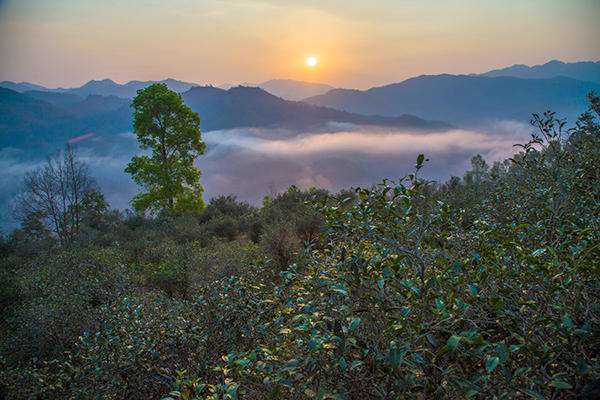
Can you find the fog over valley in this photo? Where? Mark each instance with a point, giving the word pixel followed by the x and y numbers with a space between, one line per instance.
pixel 253 162
pixel 260 139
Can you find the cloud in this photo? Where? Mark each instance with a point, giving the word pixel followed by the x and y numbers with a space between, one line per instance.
pixel 251 163
pixel 374 142
pixel 80 138
pixel 14 165
pixel 254 162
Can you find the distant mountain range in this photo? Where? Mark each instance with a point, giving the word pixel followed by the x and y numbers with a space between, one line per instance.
pixel 295 90
pixel 253 107
pixel 28 122
pixel 104 87
pixel 464 99
pixel 290 89
pixel 45 120
pixel 583 71
pixel 34 116
pixel 287 89
pixel 22 86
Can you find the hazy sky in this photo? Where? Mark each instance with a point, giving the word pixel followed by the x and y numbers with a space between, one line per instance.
pixel 358 43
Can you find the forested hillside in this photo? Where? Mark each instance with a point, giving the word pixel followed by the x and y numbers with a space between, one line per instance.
pixel 584 71
pixel 39 122
pixel 484 286
pixel 464 100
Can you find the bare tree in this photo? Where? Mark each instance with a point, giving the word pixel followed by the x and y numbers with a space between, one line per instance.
pixel 55 192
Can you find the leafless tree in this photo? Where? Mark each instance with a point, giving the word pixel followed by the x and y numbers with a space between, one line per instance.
pixel 55 192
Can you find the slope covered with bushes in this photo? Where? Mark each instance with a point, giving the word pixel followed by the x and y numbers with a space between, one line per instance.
pixel 481 287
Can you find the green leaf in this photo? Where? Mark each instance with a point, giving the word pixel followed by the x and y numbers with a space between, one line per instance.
pixel 420 159
pixel 534 394
pixel 396 355
pixel 354 324
pixel 514 347
pixel 567 322
pixel 521 371
pixel 418 358
pixel 502 351
pixel 341 289
pixel 386 272
pixel 538 252
pixel 561 385
pixel 431 339
pixel 582 366
pixel 453 341
pixel 473 289
pixel 381 283
pixel 343 363
pixel 243 362
pixel 491 363
pixel 439 304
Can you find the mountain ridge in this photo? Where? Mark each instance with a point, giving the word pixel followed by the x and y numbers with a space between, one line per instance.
pixel 297 90
pixel 25 119
pixel 581 70
pixel 255 107
pixel 104 86
pixel 466 100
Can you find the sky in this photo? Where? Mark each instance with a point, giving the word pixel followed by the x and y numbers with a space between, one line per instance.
pixel 358 44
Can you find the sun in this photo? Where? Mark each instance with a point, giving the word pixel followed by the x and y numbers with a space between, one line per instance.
pixel 311 61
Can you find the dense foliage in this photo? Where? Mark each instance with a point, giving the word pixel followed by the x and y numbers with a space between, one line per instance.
pixel 481 287
pixel 167 127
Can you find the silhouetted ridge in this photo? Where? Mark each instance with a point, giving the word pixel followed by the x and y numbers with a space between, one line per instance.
pixel 465 99
pixel 583 70
pixel 244 106
pixel 50 118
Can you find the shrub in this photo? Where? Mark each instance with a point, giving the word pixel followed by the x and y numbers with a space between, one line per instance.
pixel 223 259
pixel 280 242
pixel 60 298
pixel 485 287
pixel 414 296
pixel 136 345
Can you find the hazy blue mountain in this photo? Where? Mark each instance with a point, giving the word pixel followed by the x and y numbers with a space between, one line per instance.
pixel 21 86
pixel 54 98
pixel 583 71
pixel 287 89
pixel 39 126
pixel 103 87
pixel 94 104
pixel 177 86
pixel 108 87
pixel 229 85
pixel 465 100
pixel 253 107
pixel 294 90
pixel 23 118
pixel 28 122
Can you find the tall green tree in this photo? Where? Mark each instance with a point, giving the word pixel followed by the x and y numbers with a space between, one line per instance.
pixel 165 125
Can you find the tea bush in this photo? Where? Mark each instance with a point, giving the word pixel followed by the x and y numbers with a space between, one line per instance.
pixel 480 287
pixel 412 296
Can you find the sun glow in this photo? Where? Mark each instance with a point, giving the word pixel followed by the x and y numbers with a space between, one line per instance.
pixel 311 61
